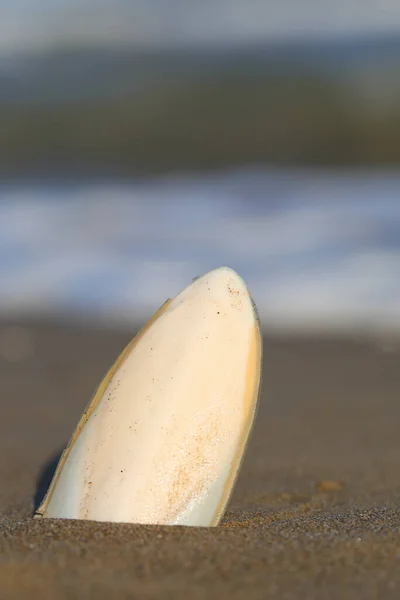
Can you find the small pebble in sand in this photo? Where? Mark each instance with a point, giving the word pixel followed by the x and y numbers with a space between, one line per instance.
pixel 328 486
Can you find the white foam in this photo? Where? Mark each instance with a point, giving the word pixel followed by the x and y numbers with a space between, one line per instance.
pixel 316 249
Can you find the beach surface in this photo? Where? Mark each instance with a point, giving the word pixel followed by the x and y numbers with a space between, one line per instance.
pixel 315 513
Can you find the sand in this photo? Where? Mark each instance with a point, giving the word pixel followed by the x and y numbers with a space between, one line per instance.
pixel 315 513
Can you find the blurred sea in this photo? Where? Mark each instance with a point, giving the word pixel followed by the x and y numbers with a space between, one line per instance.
pixel 319 249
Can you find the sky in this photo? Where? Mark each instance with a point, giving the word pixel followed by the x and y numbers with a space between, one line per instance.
pixel 27 25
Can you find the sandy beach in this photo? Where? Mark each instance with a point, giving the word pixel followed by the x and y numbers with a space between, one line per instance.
pixel 315 513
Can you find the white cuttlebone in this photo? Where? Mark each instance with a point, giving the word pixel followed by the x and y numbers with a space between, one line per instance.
pixel 163 438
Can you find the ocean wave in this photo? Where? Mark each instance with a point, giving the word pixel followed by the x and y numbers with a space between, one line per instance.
pixel 318 250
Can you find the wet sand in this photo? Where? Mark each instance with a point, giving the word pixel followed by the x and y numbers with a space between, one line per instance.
pixel 315 513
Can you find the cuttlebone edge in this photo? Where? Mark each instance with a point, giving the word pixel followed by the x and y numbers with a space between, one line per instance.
pixel 92 404
pixel 247 428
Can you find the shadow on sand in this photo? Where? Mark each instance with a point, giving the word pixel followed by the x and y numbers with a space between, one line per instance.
pixel 44 479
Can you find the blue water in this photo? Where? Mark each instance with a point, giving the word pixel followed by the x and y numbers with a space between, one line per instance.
pixel 318 249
